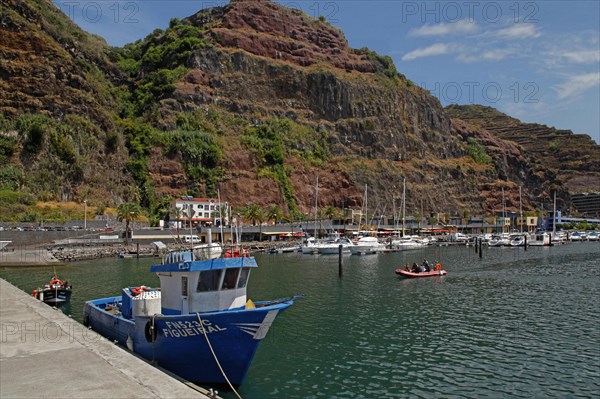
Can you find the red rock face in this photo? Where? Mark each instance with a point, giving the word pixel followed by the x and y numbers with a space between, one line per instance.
pixel 269 30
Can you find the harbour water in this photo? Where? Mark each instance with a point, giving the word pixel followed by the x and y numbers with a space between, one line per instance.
pixel 513 324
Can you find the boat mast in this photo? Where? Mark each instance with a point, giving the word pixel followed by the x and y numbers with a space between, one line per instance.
pixel 316 205
pixel 365 206
pixel 503 211
pixel 190 210
pixel 521 208
pixel 554 217
pixel 403 205
pixel 220 217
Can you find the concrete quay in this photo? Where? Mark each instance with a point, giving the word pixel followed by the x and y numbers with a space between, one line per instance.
pixel 46 354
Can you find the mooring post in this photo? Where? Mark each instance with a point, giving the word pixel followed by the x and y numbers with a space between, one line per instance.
pixel 525 236
pixel 480 251
pixel 138 250
pixel 340 262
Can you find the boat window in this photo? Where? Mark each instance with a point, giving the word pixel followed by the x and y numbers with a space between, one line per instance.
pixel 184 286
pixel 244 277
pixel 231 276
pixel 209 280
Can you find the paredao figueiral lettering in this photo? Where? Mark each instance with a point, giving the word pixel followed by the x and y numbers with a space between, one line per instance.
pixel 182 329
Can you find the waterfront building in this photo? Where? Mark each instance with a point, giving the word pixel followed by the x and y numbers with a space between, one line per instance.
pixel 199 211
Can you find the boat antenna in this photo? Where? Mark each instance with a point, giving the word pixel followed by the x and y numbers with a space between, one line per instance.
pixel 190 211
pixel 220 216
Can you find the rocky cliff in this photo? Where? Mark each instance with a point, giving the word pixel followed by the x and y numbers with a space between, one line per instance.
pixel 57 124
pixel 574 159
pixel 254 100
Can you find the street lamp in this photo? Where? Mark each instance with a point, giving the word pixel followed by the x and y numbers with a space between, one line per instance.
pixel 85 214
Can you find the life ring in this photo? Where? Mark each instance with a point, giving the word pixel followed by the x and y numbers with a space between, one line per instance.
pixel 438 266
pixel 138 290
pixel 237 253
pixel 149 332
pixel 56 282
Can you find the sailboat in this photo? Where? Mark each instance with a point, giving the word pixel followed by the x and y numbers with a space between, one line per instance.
pixel 503 239
pixel 405 243
pixel 309 244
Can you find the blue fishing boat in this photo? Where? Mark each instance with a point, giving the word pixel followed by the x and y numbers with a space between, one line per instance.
pixel 199 324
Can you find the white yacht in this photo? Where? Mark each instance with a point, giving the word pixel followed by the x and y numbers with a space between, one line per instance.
pixel 309 246
pixel 367 245
pixel 541 239
pixel 517 240
pixel 331 247
pixel 499 241
pixel 406 243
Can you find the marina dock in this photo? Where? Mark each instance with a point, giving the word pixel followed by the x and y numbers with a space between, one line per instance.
pixel 44 353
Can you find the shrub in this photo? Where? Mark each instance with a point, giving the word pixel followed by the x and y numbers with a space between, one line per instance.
pixel 7 148
pixel 477 152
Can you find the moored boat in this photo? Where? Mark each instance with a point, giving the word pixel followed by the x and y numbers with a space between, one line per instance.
pixel 540 239
pixel 407 243
pixel 55 292
pixel 198 323
pixel 499 241
pixel 367 245
pixel 517 240
pixel 331 247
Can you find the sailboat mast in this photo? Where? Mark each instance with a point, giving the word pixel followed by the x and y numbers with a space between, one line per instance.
pixel 316 206
pixel 554 217
pixel 503 211
pixel 366 205
pixel 521 208
pixel 403 205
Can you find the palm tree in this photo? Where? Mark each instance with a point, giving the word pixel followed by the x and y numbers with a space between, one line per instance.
pixel 128 212
pixel 331 212
pixel 254 213
pixel 178 213
pixel 274 213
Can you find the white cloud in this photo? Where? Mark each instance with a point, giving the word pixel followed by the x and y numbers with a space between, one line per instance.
pixel 429 51
pixel 443 29
pixel 577 84
pixel 489 55
pixel 581 57
pixel 518 31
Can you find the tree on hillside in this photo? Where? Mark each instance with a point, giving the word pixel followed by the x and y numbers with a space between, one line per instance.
pixel 128 212
pixel 275 214
pixel 254 214
pixel 331 212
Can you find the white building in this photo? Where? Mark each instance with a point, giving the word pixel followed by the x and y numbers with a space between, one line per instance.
pixel 203 210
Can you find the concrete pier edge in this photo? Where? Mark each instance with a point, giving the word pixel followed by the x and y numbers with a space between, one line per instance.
pixel 44 353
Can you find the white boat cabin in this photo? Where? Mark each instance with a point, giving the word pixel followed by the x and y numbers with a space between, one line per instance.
pixel 190 285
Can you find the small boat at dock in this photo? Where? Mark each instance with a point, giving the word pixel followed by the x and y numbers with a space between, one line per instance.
pixel 55 292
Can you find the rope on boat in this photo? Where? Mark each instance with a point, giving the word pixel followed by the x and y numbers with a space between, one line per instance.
pixel 153 338
pixel 215 357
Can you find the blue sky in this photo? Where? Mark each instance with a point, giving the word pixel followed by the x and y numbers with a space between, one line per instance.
pixel 538 61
